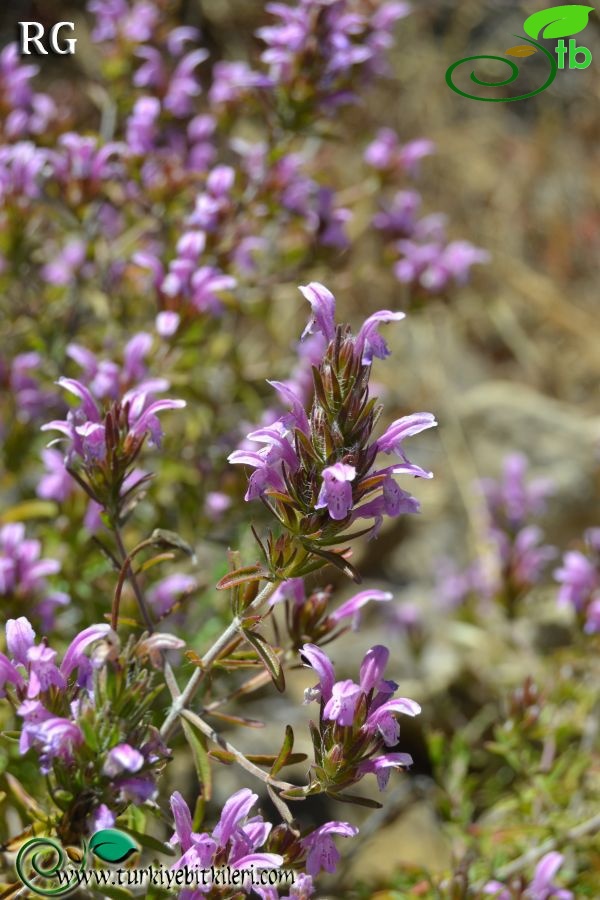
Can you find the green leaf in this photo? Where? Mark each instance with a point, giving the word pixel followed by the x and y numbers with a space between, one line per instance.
pixel 197 743
pixel 29 509
pixel 558 21
pixel 268 656
pixel 353 798
pixel 284 753
pixel 170 539
pixel 112 846
pixel 241 576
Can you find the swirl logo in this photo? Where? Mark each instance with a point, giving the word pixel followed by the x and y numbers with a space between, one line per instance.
pixel 42 860
pixel 555 22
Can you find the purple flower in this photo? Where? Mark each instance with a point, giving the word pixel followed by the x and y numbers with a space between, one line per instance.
pixel 67 264
pixel 411 154
pixel 88 439
pixel 541 887
pixel 122 758
pixel 354 605
pixel 163 595
pixel 75 656
pixel 341 706
pixel 322 853
pixel 336 490
pixel 184 84
pixel 408 426
pixel 397 220
pixel 269 460
pixel 434 266
pixel 167 323
pixel 20 637
pixel 368 708
pixel 231 81
pixel 43 672
pixel 54 737
pixel 369 342
pixel 592 624
pixel 56 484
pixel 235 838
pixel 383 765
pixel 381 719
pixel 528 555
pixel 102 818
pixel 513 498
pixel 386 153
pixel 9 673
pixel 142 125
pixel 373 667
pixel 578 577
pixel 322 302
pixel 321 663
pixel 292 589
pixel 23 574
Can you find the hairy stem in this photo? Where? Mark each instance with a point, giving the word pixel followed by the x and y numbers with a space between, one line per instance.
pixel 218 739
pixel 189 691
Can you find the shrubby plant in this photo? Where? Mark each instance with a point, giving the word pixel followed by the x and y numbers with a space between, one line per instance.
pixel 156 219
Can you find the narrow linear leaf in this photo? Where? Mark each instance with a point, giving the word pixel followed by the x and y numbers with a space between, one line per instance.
pixel 284 753
pixel 269 658
pixel 223 756
pixel 155 560
pixel 232 719
pixel 29 509
pixel 163 539
pixel 241 576
pixel 353 798
pixel 197 744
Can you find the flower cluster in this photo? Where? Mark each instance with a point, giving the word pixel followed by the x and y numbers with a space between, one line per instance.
pixel 316 466
pixel 86 719
pixel 356 722
pixel 247 843
pixel 24 111
pixel 521 554
pixel 317 48
pixel 426 260
pixel 541 887
pixel 579 579
pixel 23 575
pixel 107 430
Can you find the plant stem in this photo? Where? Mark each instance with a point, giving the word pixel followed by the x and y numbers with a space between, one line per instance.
pixel 133 581
pixel 187 694
pixel 218 739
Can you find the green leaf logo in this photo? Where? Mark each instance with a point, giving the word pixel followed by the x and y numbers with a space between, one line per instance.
pixel 112 846
pixel 558 21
